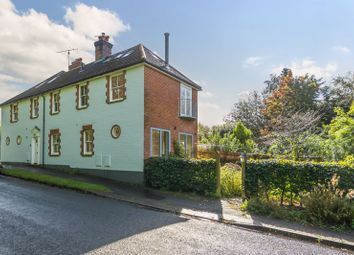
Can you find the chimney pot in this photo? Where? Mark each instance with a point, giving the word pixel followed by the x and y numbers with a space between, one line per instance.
pixel 103 48
pixel 75 64
pixel 167 46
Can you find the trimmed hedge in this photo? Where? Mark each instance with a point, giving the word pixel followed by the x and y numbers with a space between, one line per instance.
pixel 178 174
pixel 295 177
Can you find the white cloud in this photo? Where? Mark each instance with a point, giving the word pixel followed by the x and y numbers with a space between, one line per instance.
pixel 253 61
pixel 341 49
pixel 30 41
pixel 308 66
pixel 82 17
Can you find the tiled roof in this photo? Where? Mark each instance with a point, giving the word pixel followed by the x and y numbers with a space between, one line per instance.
pixel 132 56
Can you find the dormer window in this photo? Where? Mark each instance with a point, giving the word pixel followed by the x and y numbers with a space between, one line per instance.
pixel 14 113
pixel 55 103
pixel 34 110
pixel 82 96
pixel 116 90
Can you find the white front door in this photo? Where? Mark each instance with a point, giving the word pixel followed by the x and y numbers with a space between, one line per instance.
pixel 35 149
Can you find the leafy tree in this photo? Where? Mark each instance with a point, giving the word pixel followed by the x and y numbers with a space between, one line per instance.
pixel 341 133
pixel 286 94
pixel 249 112
pixel 340 94
pixel 289 135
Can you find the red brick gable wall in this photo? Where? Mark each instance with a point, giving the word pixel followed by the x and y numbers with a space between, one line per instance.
pixel 161 108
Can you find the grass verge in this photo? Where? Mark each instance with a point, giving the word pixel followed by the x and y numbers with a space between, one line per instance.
pixel 55 181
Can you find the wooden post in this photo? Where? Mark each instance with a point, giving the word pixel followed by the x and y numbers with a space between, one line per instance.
pixel 218 188
pixel 243 159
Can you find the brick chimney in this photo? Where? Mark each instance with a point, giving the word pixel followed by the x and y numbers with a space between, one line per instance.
pixel 75 64
pixel 102 47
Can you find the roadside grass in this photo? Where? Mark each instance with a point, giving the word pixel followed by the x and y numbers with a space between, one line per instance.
pixel 55 181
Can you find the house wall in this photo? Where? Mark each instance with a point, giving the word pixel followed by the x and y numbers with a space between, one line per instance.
pixel 162 94
pixel 127 152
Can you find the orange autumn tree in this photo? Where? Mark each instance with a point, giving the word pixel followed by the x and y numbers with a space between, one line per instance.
pixel 286 94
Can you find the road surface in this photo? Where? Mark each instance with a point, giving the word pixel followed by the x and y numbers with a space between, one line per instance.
pixel 36 219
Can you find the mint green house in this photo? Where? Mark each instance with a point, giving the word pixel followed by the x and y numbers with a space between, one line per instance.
pixel 93 117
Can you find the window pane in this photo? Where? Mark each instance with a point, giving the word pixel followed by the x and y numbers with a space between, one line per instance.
pixel 155 143
pixel 165 143
pixel 189 146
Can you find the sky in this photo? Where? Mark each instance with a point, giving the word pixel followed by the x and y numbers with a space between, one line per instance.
pixel 229 47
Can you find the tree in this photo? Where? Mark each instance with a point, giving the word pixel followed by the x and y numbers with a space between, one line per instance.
pixel 292 131
pixel 286 94
pixel 249 112
pixel 340 94
pixel 341 133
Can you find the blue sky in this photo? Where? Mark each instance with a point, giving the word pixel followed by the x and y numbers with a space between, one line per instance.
pixel 229 47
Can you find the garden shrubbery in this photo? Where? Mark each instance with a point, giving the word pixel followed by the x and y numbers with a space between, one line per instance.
pixel 178 174
pixel 231 181
pixel 289 179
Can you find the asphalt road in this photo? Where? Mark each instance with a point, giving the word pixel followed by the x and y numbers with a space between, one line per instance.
pixel 36 219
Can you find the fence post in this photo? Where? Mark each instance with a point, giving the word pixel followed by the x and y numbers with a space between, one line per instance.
pixel 243 159
pixel 218 188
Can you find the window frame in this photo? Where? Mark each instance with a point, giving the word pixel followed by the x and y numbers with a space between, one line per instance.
pixel 34 107
pixel 53 103
pixel 54 142
pixel 161 130
pixel 80 96
pixel 121 87
pixel 84 146
pixel 185 134
pixel 184 97
pixel 14 114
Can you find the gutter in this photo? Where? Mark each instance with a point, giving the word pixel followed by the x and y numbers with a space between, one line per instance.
pixel 43 128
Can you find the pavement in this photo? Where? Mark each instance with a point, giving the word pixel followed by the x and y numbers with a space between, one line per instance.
pixel 38 219
pixel 220 210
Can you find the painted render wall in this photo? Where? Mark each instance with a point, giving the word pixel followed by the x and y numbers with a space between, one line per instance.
pixel 127 152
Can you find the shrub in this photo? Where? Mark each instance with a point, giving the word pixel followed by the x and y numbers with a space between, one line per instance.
pixel 285 177
pixel 178 174
pixel 257 205
pixel 231 182
pixel 178 149
pixel 329 205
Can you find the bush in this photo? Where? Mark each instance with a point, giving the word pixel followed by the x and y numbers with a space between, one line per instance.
pixel 328 205
pixel 285 177
pixel 177 174
pixel 257 205
pixel 230 182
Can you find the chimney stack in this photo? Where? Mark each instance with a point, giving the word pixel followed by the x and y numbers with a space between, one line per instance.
pixel 75 64
pixel 167 46
pixel 102 47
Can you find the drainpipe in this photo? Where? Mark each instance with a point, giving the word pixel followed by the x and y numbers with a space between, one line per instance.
pixel 43 129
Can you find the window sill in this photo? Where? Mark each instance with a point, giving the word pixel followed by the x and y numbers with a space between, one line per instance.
pixel 54 113
pixel 87 155
pixel 54 155
pixel 188 117
pixel 34 117
pixel 82 107
pixel 116 101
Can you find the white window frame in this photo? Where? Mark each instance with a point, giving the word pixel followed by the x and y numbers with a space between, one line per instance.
pixel 186 134
pixel 80 96
pixel 14 115
pixel 118 88
pixel 85 152
pixel 52 144
pixel 54 103
pixel 169 140
pixel 35 113
pixel 184 97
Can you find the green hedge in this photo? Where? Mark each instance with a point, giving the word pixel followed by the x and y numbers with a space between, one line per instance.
pixel 177 174
pixel 294 177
